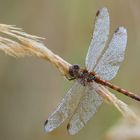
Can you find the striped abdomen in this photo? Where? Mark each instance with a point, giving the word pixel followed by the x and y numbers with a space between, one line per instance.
pixel 117 88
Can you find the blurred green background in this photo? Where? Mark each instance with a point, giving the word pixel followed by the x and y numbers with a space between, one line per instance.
pixel 31 88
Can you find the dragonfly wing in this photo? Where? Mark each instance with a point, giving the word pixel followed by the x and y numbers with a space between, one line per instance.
pixel 109 63
pixel 65 108
pixel 100 36
pixel 86 109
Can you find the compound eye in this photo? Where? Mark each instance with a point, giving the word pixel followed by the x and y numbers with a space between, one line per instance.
pixel 73 70
pixel 76 67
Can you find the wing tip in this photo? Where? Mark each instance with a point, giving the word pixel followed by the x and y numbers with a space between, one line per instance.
pixel 46 122
pixel 102 11
pixel 68 126
pixel 71 132
pixel 47 127
pixel 121 29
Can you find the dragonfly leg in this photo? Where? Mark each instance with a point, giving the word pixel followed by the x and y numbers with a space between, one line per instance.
pixel 71 78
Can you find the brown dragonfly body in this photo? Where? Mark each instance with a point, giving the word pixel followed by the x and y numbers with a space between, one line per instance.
pixel 85 77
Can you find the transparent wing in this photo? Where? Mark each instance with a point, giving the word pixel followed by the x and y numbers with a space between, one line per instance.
pixel 65 108
pixel 109 64
pixel 86 109
pixel 100 36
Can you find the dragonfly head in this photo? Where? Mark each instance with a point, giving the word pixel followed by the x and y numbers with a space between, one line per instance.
pixel 74 70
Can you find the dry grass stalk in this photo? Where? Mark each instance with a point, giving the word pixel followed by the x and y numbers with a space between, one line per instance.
pixel 18 43
pixel 131 130
pixel 23 44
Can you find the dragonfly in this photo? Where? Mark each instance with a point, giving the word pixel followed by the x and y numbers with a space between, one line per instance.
pixel 102 64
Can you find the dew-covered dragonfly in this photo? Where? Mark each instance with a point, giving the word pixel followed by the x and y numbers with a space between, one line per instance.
pixel 102 64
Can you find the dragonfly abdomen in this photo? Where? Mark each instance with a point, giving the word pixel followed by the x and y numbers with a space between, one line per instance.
pixel 117 88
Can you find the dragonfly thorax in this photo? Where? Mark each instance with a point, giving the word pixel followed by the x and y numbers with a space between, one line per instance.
pixel 82 75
